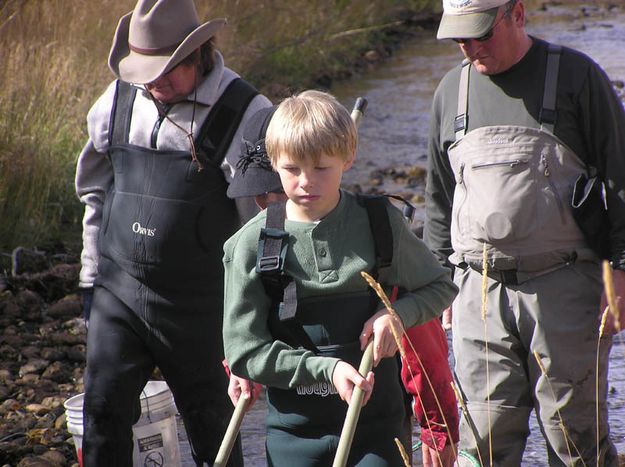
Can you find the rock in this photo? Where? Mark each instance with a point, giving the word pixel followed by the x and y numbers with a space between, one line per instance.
pixel 27 261
pixel 30 351
pixel 36 365
pixel 77 353
pixel 37 461
pixel 37 409
pixel 30 304
pixel 57 458
pixel 53 353
pixel 66 307
pixel 57 371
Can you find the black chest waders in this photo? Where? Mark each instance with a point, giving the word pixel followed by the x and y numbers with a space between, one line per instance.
pixel 161 279
pixel 327 326
pixel 165 221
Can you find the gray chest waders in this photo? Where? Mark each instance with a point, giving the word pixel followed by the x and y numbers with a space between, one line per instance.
pixel 513 190
pixel 164 221
pixel 328 327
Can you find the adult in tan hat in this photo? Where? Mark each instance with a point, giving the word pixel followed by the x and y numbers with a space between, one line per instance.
pixel 163 143
pixel 515 131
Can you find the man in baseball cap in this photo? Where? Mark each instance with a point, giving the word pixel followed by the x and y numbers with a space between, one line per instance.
pixel 514 116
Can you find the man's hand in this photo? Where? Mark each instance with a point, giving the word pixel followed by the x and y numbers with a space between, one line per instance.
pixel 238 386
pixel 384 344
pixel 618 277
pixel 345 377
pixel 433 458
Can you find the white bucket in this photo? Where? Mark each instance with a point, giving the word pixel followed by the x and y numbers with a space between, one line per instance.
pixel 155 435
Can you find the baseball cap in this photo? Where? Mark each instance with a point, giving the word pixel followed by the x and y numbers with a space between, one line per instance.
pixel 467 19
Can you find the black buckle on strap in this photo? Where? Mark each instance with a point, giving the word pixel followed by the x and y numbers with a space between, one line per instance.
pixel 460 123
pixel 268 264
pixel 272 248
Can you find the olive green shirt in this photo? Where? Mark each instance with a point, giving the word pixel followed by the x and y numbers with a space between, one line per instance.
pixel 324 259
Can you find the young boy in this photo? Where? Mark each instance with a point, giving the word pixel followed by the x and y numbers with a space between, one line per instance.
pixel 298 313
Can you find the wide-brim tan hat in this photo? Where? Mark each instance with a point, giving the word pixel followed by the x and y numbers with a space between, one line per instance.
pixel 467 19
pixel 155 37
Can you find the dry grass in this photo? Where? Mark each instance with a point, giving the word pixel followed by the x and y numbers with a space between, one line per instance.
pixel 54 54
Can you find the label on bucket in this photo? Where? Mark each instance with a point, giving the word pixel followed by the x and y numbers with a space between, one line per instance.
pixel 156 444
pixel 149 443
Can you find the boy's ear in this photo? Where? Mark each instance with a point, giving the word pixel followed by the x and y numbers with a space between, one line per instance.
pixel 349 162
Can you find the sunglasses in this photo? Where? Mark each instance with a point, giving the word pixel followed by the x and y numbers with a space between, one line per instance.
pixel 486 37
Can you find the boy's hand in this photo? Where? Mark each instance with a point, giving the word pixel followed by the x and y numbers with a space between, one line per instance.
pixel 444 458
pixel 345 377
pixel 384 344
pixel 238 386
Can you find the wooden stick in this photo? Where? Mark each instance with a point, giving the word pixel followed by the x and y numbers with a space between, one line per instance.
pixel 353 412
pixel 231 432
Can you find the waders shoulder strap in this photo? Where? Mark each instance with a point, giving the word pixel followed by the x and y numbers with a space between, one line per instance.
pixel 223 121
pixel 548 114
pixel 461 122
pixel 121 113
pixel 217 131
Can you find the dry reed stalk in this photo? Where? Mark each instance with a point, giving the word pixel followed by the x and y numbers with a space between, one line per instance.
pixel 484 308
pixel 402 452
pixel 561 424
pixel 465 411
pixel 608 283
pixel 387 304
pixel 604 317
pixel 389 307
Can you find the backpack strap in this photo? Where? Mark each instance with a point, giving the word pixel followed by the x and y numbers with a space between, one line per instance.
pixel 382 234
pixel 119 124
pixel 222 122
pixel 548 113
pixel 270 257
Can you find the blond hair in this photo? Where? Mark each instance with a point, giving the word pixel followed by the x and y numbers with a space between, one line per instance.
pixel 309 125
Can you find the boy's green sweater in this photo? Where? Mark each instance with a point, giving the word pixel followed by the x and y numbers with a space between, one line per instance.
pixel 324 259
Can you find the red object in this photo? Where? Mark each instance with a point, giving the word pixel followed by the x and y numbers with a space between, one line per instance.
pixel 434 402
pixel 226 367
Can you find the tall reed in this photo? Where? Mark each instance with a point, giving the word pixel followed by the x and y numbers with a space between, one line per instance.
pixel 483 314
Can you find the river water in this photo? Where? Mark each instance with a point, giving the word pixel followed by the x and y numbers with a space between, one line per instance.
pixel 392 154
